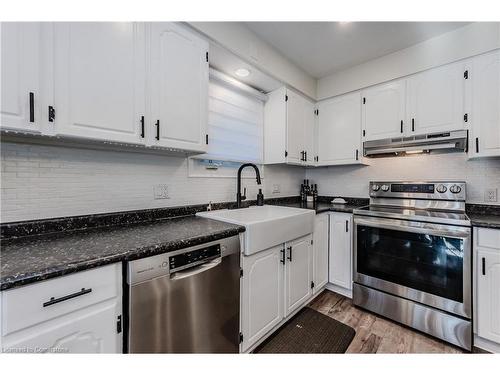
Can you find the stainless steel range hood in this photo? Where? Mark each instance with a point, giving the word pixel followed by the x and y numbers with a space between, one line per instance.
pixel 449 141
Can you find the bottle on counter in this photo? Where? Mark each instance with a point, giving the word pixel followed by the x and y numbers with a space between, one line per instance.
pixel 315 193
pixel 260 198
pixel 303 195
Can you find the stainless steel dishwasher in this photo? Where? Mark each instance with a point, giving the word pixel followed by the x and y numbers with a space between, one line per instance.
pixel 186 301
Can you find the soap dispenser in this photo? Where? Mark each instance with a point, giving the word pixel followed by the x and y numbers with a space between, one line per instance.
pixel 260 198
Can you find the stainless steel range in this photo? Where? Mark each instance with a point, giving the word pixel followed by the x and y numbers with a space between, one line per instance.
pixel 412 257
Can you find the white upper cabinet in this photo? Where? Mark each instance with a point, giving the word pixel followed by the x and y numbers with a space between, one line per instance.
pixel 485 117
pixel 99 80
pixel 20 79
pixel 383 110
pixel 289 122
pixel 436 100
pixel 179 88
pixel 339 130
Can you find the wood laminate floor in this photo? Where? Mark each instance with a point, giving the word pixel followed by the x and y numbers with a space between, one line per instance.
pixel 375 334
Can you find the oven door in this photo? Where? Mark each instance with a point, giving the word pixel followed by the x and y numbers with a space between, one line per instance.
pixel 424 262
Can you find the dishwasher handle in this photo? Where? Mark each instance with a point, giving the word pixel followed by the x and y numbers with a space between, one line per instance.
pixel 179 275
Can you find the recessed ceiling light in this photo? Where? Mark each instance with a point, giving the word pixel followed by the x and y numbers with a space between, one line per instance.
pixel 242 72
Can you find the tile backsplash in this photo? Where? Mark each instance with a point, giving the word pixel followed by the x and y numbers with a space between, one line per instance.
pixel 50 181
pixel 352 181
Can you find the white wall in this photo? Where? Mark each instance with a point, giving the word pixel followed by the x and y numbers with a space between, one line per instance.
pixel 467 41
pixel 244 43
pixel 352 181
pixel 48 181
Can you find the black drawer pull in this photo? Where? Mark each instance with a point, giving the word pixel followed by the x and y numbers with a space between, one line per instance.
pixel 347 225
pixel 157 130
pixel 32 107
pixel 412 124
pixel 401 126
pixel 483 265
pixel 142 126
pixel 477 145
pixel 54 300
pixel 283 255
pixel 290 252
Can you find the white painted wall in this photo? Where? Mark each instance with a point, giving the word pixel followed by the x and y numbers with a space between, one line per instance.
pixel 467 41
pixel 50 181
pixel 244 43
pixel 352 181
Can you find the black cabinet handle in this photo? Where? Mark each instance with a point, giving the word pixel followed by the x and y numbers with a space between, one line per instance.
pixel 401 126
pixel 305 155
pixel 483 265
pixel 290 252
pixel 52 114
pixel 157 130
pixel 357 154
pixel 283 255
pixel 142 126
pixel 347 225
pixel 32 107
pixel 54 300
pixel 412 124
pixel 477 145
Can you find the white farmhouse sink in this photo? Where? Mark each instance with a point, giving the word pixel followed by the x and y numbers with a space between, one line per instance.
pixel 266 226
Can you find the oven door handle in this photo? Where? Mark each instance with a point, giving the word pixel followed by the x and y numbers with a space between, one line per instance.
pixel 422 228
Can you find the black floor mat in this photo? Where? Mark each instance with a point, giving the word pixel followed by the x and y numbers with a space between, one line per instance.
pixel 309 332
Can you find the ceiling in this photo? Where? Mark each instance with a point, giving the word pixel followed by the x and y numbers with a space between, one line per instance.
pixel 323 48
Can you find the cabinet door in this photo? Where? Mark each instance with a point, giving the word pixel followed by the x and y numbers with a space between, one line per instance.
pixel 485 117
pixel 383 110
pixel 339 130
pixel 320 252
pixel 298 273
pixel 308 137
pixel 20 77
pixel 340 272
pixel 262 294
pixel 179 87
pixel 90 330
pixel 295 117
pixel 488 294
pixel 99 86
pixel 436 100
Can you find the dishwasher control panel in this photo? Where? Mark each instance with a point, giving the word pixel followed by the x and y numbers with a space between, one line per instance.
pixel 191 258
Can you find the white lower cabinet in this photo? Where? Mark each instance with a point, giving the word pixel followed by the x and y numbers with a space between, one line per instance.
pixel 262 291
pixel 79 313
pixel 298 273
pixel 487 270
pixel 276 283
pixel 340 260
pixel 320 252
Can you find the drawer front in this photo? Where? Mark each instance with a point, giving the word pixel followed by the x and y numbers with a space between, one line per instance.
pixel 487 238
pixel 28 305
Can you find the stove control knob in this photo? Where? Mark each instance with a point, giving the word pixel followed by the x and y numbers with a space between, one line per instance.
pixel 441 188
pixel 455 189
pixel 375 187
pixel 385 187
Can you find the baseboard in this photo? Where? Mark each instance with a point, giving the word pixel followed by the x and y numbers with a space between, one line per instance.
pixel 340 290
pixel 487 345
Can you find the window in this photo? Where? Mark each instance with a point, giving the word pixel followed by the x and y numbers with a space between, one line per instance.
pixel 235 122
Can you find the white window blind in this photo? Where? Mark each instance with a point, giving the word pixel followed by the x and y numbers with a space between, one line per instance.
pixel 235 125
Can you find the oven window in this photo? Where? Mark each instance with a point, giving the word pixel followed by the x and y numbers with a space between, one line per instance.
pixel 432 264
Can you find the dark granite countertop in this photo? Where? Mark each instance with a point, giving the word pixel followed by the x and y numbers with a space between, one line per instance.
pixel 33 258
pixel 482 215
pixel 324 204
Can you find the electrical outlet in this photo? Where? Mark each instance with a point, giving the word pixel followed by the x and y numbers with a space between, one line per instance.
pixel 490 195
pixel 160 191
pixel 276 188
